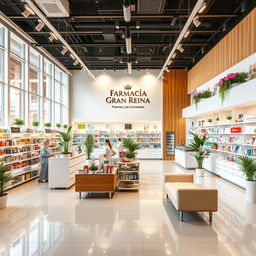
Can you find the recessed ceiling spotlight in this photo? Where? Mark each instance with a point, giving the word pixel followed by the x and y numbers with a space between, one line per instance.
pixel 136 61
pixel 174 55
pixel 52 37
pixel 197 22
pixel 180 48
pixel 174 19
pixel 117 26
pixel 64 51
pixel 39 26
pixel 28 11
pixel 137 25
pixel 202 8
pixel 187 34
pixel 75 62
pixel 121 61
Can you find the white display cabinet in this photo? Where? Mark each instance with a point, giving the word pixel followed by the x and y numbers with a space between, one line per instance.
pixel 227 138
pixel 62 171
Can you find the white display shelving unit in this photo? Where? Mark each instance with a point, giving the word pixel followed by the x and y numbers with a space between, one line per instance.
pixel 227 139
pixel 129 175
pixel 150 141
pixel 21 152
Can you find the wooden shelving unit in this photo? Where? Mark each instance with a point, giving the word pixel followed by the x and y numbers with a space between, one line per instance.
pixel 129 175
pixel 21 151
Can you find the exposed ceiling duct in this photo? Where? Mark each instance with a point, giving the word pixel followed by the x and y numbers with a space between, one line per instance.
pixel 127 10
pixel 151 6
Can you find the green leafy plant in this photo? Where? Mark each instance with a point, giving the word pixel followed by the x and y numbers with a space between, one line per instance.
pixel 130 155
pixel 217 119
pixel 209 120
pixel 248 167
pixel 35 123
pixel 229 117
pixel 18 121
pixel 198 146
pixel 93 167
pixel 65 126
pixel 65 138
pixel 225 83
pixel 89 144
pixel 4 178
pixel 201 95
pixel 58 125
pixel 48 124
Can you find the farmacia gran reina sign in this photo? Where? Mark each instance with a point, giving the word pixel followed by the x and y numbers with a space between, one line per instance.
pixel 128 96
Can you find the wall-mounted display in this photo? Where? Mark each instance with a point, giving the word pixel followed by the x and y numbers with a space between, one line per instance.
pixel 170 143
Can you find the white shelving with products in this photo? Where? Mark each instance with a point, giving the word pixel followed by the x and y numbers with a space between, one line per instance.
pixel 21 152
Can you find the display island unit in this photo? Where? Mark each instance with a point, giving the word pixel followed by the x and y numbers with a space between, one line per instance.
pixel 21 152
pixel 62 170
pixel 129 175
pixel 231 129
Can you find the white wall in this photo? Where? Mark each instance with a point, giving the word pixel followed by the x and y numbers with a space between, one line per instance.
pixel 88 98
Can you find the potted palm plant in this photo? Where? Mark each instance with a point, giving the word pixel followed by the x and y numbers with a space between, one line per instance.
pixel 65 142
pixel 200 153
pixel 4 180
pixel 131 147
pixel 248 168
pixel 89 145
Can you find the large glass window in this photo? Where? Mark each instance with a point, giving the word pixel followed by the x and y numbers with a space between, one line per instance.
pixel 57 113
pixel 34 81
pixel 57 91
pixel 47 111
pixel 2 35
pixel 47 86
pixel 17 46
pixel 34 109
pixel 16 72
pixel 1 65
pixel 34 58
pixel 2 102
pixel 48 67
pixel 17 104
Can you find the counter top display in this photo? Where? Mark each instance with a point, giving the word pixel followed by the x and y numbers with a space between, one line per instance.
pixel 62 170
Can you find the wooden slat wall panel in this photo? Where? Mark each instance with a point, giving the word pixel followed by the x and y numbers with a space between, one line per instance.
pixel 238 44
pixel 175 98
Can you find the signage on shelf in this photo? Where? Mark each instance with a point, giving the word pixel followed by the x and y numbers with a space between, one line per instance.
pixel 81 126
pixel 48 131
pixel 15 129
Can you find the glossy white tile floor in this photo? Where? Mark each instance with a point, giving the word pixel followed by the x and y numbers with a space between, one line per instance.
pixel 39 221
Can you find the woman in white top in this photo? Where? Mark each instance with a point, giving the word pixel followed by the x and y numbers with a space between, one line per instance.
pixel 109 152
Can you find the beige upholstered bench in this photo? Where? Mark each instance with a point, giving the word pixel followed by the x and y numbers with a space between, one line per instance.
pixel 188 196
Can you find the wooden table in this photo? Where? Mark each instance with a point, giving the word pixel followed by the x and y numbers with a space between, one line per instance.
pixel 98 182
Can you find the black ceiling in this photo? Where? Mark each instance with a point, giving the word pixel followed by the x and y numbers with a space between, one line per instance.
pixel 91 30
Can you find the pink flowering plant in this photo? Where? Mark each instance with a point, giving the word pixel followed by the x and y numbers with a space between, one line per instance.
pixel 225 83
pixel 201 95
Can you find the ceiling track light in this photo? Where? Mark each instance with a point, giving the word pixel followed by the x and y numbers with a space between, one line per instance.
pixel 28 11
pixel 197 22
pixel 169 63
pixel 121 61
pixel 224 28
pixel 202 8
pixel 180 48
pixel 72 56
pixel 202 50
pixel 137 25
pixel 128 41
pixel 243 6
pixel 174 20
pixel 129 67
pixel 117 25
pixel 187 34
pixel 127 11
pixel 174 55
pixel 39 26
pixel 52 37
pixel 64 51
pixel 75 62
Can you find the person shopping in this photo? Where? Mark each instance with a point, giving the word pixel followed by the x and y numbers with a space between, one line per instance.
pixel 44 155
pixel 107 157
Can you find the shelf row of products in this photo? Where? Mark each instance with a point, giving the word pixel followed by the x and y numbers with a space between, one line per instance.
pixel 129 176
pixel 24 177
pixel 227 130
pixel 240 140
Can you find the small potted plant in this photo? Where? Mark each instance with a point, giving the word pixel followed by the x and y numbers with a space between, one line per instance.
pixel 217 120
pixel 248 168
pixel 229 118
pixel 58 125
pixel 65 142
pixel 35 124
pixel 65 126
pixel 18 122
pixel 4 180
pixel 48 124
pixel 209 121
pixel 93 168
pixel 89 145
pixel 200 153
pixel 131 147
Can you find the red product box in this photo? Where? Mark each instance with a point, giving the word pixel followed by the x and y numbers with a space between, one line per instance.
pixel 203 130
pixel 236 129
